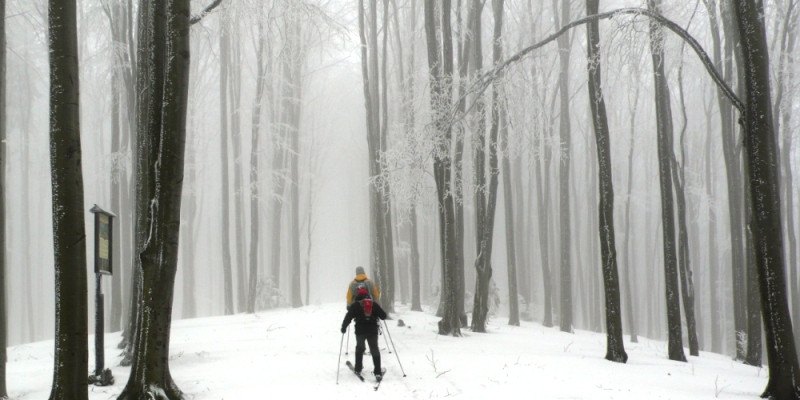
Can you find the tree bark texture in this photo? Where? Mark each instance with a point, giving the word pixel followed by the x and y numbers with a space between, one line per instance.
pixel 441 98
pixel 150 375
pixel 486 185
pixel 664 128
pixel 629 268
pixel 761 158
pixel 71 354
pixel 615 350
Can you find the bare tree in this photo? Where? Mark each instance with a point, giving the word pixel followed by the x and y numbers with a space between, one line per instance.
pixel 664 129
pixel 615 350
pixel 761 157
pixel 71 356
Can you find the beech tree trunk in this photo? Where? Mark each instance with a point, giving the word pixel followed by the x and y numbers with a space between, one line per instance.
pixel 766 226
pixel 664 128
pixel 615 350
pixel 168 61
pixel 71 354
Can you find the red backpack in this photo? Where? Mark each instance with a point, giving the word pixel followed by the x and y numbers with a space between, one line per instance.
pixel 366 302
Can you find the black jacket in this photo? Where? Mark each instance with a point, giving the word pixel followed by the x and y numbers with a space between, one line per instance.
pixel 364 325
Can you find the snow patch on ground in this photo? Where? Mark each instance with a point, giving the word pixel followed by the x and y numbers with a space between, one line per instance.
pixel 290 351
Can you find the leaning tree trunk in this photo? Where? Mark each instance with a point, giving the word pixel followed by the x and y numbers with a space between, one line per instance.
pixel 615 350
pixel 761 158
pixel 664 128
pixel 71 356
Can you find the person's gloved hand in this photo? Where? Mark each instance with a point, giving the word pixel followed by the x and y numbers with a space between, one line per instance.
pixel 344 329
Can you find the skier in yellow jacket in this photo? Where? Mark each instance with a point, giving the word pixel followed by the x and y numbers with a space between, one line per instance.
pixel 362 280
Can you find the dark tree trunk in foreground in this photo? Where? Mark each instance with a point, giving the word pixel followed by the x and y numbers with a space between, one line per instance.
pixel 761 157
pixel 664 128
pixel 3 154
pixel 71 356
pixel 615 350
pixel 168 61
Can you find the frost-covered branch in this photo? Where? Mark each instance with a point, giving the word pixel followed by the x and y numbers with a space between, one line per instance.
pixel 483 82
pixel 197 18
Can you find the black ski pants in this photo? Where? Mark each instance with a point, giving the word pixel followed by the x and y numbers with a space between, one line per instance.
pixel 372 340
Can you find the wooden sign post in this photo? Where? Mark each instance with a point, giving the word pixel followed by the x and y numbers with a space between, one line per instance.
pixel 103 224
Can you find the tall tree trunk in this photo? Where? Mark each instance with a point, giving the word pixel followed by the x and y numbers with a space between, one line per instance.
pixel 629 279
pixel 235 71
pixel 564 159
pixel 254 175
pixel 441 95
pixel 227 269
pixel 735 191
pixel 117 172
pixel 71 356
pixel 3 162
pixel 388 294
pixel 150 374
pixel 782 119
pixel 511 251
pixel 615 350
pixel 715 315
pixel 409 119
pixel 294 157
pixel 684 265
pixel 486 181
pixel 664 128
pixel 761 157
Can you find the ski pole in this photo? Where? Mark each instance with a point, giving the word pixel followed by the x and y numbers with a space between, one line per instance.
pixel 395 348
pixel 339 363
pixel 387 340
pixel 348 341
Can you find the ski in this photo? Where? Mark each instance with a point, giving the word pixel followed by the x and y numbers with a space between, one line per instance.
pixel 353 369
pixel 378 384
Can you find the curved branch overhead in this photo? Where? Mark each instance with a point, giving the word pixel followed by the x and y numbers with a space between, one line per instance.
pixel 486 79
pixel 199 17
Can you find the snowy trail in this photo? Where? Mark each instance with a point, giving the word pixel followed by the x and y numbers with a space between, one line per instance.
pixel 295 352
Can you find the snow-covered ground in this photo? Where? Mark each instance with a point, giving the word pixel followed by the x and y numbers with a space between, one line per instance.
pixel 294 352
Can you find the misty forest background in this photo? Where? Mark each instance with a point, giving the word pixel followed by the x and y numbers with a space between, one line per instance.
pixel 290 182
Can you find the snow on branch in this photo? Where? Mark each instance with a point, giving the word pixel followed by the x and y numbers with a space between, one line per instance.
pixel 197 18
pixel 483 82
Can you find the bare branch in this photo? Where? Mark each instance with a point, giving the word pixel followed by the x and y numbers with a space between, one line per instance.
pixel 486 79
pixel 197 18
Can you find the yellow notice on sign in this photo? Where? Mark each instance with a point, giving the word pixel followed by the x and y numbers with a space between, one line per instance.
pixel 104 237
